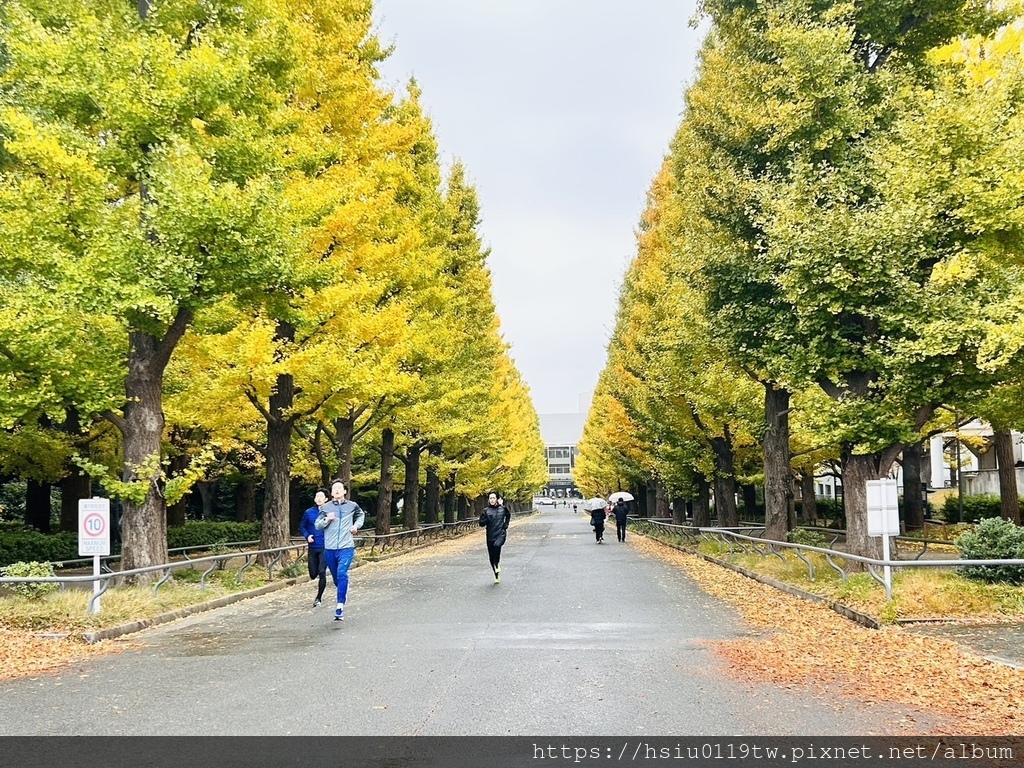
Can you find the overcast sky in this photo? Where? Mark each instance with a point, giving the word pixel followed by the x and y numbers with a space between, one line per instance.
pixel 561 111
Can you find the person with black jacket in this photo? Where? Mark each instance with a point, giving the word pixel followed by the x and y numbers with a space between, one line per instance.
pixel 621 511
pixel 496 519
pixel 597 520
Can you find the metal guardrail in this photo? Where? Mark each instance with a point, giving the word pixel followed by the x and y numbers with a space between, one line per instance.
pixel 402 540
pixel 105 560
pixel 399 540
pixel 215 561
pixel 731 538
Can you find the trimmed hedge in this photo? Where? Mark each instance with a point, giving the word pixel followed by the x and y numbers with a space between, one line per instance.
pixel 31 546
pixel 199 534
pixel 34 547
pixel 980 507
pixel 991 539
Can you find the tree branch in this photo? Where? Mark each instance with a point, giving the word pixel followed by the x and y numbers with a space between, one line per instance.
pixel 250 395
pixel 117 421
pixel 165 347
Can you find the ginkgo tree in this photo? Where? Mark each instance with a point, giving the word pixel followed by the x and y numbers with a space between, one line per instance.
pixel 161 126
pixel 821 272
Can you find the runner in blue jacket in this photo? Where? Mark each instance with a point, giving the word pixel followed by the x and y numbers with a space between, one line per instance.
pixel 315 541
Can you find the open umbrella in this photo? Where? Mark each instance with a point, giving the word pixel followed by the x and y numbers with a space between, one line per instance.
pixel 594 504
pixel 625 496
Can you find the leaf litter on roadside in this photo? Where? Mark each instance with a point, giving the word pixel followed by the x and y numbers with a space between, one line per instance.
pixel 24 654
pixel 806 643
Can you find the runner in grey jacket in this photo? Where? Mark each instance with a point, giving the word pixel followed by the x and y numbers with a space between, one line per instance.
pixel 338 532
pixel 339 519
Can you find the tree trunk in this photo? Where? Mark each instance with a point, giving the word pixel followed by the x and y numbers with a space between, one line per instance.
pixel 777 475
pixel 387 482
pixel 276 521
pixel 75 485
pixel 245 499
pixel 701 508
pixel 176 512
pixel 144 525
pixel 433 497
pixel 678 511
pixel 662 501
pixel 913 504
pixel 463 507
pixel 750 501
pixel 296 507
pixel 411 507
pixel 640 495
pixel 791 506
pixel 344 438
pixel 208 495
pixel 651 497
pixel 73 488
pixel 810 501
pixel 725 482
pixel 1008 497
pixel 37 506
pixel 449 500
pixel 857 470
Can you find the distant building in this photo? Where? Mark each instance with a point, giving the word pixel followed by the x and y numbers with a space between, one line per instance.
pixel 561 433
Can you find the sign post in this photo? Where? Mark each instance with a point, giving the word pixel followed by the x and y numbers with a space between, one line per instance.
pixel 94 538
pixel 884 520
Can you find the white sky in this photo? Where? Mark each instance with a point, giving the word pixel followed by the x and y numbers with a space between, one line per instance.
pixel 561 111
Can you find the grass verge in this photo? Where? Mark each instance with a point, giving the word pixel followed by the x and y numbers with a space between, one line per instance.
pixel 918 593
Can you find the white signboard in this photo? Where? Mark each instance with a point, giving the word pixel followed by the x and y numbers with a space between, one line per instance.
pixel 94 527
pixel 883 508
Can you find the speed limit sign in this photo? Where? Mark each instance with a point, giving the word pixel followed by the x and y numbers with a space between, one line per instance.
pixel 94 527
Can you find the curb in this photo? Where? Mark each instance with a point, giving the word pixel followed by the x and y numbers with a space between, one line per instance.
pixel 843 610
pixel 136 626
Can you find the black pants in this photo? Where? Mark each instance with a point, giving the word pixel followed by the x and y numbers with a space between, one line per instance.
pixel 318 567
pixel 494 555
pixel 599 530
pixel 620 529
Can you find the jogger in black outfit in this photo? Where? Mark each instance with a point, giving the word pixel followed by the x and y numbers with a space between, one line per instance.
pixel 496 519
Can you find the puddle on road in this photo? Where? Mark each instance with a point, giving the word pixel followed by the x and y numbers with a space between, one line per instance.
pixel 228 644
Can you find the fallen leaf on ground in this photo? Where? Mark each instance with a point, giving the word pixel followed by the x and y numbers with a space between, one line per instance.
pixel 23 654
pixel 807 643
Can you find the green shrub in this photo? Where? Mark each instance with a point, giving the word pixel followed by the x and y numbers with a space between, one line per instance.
pixel 30 570
pixel 210 534
pixel 808 538
pixel 991 539
pixel 980 507
pixel 31 546
pixel 826 508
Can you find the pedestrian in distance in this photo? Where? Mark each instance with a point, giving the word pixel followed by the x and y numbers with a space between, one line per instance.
pixel 495 518
pixel 339 519
pixel 597 520
pixel 315 544
pixel 621 512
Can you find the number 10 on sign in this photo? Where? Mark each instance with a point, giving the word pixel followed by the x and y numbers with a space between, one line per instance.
pixel 94 538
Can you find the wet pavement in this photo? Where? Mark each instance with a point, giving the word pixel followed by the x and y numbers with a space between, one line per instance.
pixel 578 638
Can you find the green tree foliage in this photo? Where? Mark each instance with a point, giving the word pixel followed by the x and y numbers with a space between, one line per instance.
pixel 217 229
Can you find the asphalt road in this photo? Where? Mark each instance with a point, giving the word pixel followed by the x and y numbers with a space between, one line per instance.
pixel 578 639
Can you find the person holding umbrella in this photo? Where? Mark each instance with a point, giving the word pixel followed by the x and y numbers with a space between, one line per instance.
pixel 621 511
pixel 495 518
pixel 597 509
